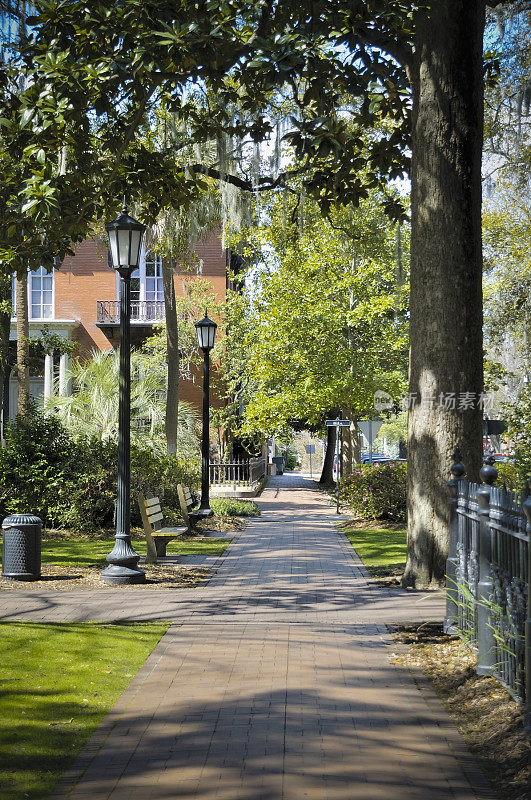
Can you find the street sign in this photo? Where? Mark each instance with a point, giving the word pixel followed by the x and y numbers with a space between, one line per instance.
pixel 370 428
pixel 338 423
pixel 310 449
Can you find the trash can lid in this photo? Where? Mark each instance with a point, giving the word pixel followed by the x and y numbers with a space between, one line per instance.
pixel 20 519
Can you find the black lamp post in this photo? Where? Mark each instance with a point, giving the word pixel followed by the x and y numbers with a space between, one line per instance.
pixel 125 241
pixel 206 334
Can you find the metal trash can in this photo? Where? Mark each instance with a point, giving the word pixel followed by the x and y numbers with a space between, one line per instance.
pixel 21 547
pixel 279 463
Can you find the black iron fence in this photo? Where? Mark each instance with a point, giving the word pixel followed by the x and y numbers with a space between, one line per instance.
pixel 240 472
pixel 108 311
pixel 488 576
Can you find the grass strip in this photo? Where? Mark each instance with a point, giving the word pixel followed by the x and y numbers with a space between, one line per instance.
pixel 93 551
pixel 382 550
pixel 58 682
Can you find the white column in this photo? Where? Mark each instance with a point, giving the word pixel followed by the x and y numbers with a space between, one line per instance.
pixel 64 381
pixel 48 375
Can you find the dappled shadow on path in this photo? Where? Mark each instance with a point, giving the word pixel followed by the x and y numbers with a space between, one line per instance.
pixel 290 714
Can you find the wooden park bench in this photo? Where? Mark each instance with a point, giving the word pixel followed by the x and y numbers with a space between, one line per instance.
pixel 188 506
pixel 158 535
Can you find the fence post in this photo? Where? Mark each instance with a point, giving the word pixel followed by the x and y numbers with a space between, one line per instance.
pixel 486 641
pixel 458 470
pixel 527 512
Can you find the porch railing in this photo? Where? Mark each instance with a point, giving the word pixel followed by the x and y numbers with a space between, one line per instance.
pixel 108 311
pixel 488 577
pixel 239 472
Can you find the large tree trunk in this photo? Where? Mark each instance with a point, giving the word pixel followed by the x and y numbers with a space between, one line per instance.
pixel 172 357
pixel 5 327
pixel 446 356
pixel 23 369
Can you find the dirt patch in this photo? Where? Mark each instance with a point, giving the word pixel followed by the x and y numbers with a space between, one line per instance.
pixel 58 577
pixel 370 524
pixel 386 576
pixel 486 715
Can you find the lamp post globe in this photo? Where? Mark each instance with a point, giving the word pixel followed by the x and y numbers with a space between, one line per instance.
pixel 206 335
pixel 125 243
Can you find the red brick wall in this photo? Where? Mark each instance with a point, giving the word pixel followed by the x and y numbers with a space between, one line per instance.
pixel 81 281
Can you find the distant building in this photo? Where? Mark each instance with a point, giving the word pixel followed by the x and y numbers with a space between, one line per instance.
pixel 80 301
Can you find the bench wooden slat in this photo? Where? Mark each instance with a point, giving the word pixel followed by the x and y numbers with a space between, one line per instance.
pixel 153 502
pixel 155 517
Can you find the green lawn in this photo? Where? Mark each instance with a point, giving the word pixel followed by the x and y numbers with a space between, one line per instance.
pixel 58 681
pixel 93 551
pixel 383 551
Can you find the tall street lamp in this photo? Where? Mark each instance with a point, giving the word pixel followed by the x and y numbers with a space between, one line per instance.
pixel 206 334
pixel 125 242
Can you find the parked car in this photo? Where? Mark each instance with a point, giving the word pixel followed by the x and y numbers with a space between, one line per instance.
pixel 376 458
pixel 503 458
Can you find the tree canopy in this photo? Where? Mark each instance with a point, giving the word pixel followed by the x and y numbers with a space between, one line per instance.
pixel 326 320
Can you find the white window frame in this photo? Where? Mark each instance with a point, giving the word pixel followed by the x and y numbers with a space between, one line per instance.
pixel 140 272
pixel 41 273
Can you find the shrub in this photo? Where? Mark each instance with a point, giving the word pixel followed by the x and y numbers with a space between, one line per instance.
pixel 509 476
pixel 377 491
pixel 290 460
pixel 72 483
pixel 229 507
pixel 38 468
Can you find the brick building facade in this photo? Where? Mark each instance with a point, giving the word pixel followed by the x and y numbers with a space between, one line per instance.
pixel 80 302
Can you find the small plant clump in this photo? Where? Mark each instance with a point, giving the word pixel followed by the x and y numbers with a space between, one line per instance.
pixel 376 491
pixel 229 507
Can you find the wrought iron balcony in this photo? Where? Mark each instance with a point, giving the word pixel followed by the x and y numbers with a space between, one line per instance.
pixel 143 312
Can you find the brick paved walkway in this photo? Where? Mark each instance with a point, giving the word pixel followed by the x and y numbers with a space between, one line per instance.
pixel 274 682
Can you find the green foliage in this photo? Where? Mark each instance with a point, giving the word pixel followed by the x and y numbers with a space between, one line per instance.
pixel 376 491
pixel 509 476
pixel 71 483
pixel 38 469
pixel 59 682
pixel 290 460
pixel 325 324
pixel 229 507
pixel 518 417
pixel 91 411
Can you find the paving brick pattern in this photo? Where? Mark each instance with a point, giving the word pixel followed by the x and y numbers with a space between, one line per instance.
pixel 274 681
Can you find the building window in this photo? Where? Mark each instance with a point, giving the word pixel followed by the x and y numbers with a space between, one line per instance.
pixel 40 294
pixel 146 281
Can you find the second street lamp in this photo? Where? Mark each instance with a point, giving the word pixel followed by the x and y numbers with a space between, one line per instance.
pixel 206 334
pixel 125 242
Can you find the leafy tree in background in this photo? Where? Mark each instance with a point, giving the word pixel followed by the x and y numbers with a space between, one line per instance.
pixel 326 320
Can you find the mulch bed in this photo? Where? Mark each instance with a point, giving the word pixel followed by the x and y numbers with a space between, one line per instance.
pixel 486 715
pixel 58 577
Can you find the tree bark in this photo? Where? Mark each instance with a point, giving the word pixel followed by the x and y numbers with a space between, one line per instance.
pixel 172 357
pixel 327 477
pixel 5 327
pixel 446 355
pixel 23 369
